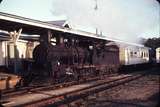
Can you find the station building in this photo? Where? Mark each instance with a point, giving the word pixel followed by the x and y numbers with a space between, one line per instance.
pixel 24 47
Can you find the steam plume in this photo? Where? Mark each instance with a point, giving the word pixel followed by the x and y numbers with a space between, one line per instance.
pixel 121 19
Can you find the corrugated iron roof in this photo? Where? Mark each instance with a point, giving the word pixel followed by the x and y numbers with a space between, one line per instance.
pixel 60 23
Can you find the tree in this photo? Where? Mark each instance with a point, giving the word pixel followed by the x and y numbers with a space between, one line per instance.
pixel 153 43
pixel 0 1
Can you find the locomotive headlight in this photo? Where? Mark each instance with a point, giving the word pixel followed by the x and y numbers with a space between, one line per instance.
pixel 58 63
pixel 91 47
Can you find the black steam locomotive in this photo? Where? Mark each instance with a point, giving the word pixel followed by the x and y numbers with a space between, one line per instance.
pixel 74 59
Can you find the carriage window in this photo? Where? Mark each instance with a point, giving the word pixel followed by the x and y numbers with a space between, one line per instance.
pixel 131 54
pixel 147 54
pixel 144 54
pixel 141 54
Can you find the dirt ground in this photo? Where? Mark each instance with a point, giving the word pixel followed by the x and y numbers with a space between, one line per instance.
pixel 143 92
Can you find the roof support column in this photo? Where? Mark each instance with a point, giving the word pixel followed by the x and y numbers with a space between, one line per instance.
pixel 49 35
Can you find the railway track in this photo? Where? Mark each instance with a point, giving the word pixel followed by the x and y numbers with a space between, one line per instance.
pixel 23 90
pixel 82 94
pixel 50 96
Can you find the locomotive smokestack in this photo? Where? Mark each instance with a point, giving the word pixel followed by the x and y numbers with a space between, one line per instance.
pixel 60 40
pixel 45 39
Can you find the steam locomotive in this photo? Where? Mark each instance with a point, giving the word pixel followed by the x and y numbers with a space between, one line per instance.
pixel 74 58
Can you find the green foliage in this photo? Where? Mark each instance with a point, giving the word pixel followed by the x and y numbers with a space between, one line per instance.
pixel 153 43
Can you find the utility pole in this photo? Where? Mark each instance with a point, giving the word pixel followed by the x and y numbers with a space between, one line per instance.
pixel 98 32
pixel 96 8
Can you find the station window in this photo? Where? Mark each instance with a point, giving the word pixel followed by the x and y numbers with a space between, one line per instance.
pixel 11 53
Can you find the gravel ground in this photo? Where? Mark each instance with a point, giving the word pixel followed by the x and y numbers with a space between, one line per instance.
pixel 143 92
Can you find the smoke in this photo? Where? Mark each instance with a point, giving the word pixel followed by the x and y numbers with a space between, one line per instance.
pixel 121 19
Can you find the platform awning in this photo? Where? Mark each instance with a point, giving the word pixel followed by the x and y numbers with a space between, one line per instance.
pixel 11 22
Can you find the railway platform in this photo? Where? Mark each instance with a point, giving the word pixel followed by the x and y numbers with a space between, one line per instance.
pixel 8 80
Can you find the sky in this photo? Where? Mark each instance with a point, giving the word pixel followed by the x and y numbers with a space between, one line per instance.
pixel 121 19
